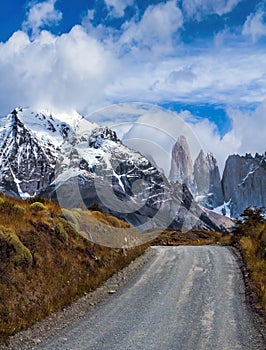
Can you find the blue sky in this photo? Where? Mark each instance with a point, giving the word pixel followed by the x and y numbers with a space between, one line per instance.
pixel 204 58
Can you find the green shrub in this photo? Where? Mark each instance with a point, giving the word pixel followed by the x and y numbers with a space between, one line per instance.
pixel 22 255
pixel 37 206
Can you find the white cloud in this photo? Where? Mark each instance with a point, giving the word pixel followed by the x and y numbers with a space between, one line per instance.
pixel 221 75
pixel 70 71
pixel 81 71
pixel 246 136
pixel 117 7
pixel 155 66
pixel 201 8
pixel 152 37
pixel 255 25
pixel 41 14
pixel 249 128
pixel 155 32
pixel 183 74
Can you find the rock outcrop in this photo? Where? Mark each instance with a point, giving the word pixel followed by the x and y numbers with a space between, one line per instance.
pixel 181 164
pixel 207 181
pixel 244 182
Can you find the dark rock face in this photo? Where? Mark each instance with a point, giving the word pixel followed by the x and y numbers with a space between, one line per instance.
pixel 27 165
pixel 244 182
pixel 207 181
pixel 181 165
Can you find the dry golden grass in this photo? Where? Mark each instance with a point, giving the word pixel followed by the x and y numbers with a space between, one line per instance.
pixel 109 219
pixel 250 237
pixel 256 263
pixel 46 264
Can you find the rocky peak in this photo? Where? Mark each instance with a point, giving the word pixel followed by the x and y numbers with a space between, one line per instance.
pixel 181 165
pixel 98 135
pixel 207 180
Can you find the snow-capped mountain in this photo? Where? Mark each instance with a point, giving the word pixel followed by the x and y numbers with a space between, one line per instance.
pixel 81 163
pixel 30 143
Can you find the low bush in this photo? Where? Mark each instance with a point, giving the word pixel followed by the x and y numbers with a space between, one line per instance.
pixel 14 248
pixel 37 206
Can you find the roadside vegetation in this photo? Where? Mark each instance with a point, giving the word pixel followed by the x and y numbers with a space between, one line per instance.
pixel 45 264
pixel 250 236
pixel 192 237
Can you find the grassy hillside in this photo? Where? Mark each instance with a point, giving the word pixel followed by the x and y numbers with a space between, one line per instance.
pixel 250 237
pixel 46 264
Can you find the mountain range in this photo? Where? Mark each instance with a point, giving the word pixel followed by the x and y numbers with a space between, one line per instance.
pixel 82 164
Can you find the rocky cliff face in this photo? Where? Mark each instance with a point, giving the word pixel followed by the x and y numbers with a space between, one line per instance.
pixel 244 182
pixel 202 178
pixel 181 165
pixel 83 165
pixel 27 161
pixel 207 181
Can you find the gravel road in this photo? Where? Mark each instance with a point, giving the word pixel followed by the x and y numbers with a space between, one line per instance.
pixel 185 298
